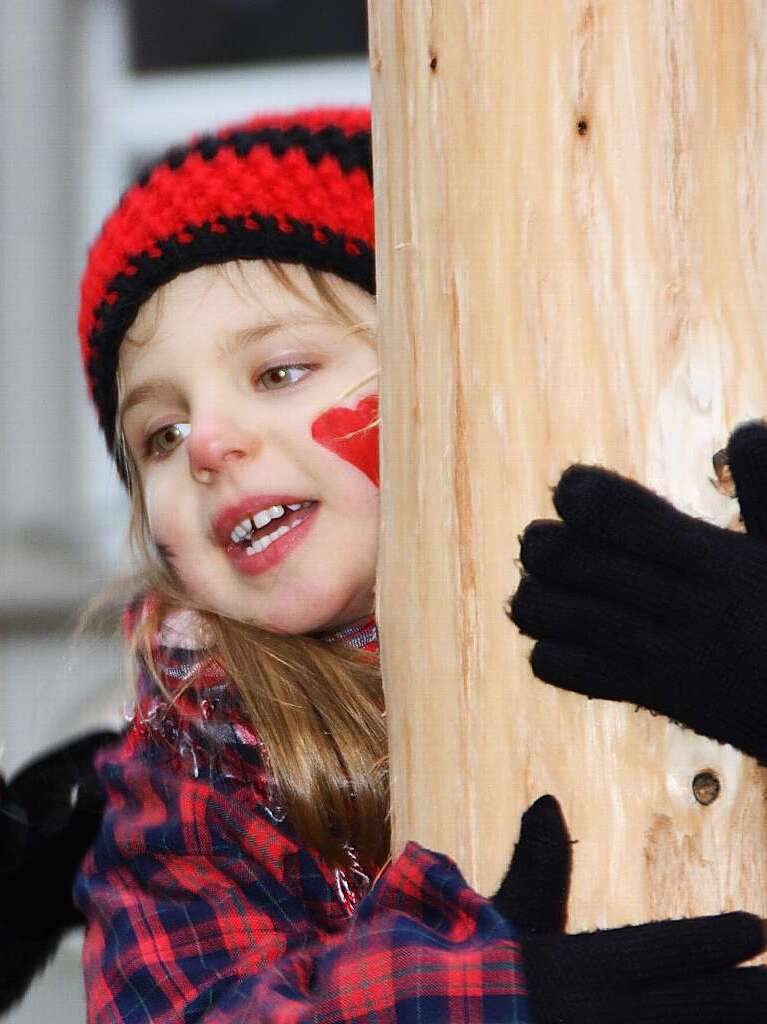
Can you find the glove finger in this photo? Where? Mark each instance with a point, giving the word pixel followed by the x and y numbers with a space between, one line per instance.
pixel 552 551
pixel 583 670
pixel 71 758
pixel 58 782
pixel 747 457
pixel 737 997
pixel 609 508
pixel 14 829
pixel 533 892
pixel 547 612
pixel 662 951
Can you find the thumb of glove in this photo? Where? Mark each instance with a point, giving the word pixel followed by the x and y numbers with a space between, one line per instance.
pixel 533 893
pixel 747 458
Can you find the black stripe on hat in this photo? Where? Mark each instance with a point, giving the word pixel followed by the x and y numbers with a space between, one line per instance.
pixel 351 151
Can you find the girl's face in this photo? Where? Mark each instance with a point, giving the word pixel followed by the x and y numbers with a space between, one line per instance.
pixel 222 394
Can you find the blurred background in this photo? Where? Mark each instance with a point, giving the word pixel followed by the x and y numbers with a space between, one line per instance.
pixel 89 91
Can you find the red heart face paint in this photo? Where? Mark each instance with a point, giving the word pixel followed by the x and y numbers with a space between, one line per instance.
pixel 361 449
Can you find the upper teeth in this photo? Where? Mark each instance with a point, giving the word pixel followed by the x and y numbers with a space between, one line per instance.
pixel 246 527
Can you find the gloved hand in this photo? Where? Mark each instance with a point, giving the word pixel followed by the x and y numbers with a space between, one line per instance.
pixel 630 599
pixel 667 972
pixel 50 813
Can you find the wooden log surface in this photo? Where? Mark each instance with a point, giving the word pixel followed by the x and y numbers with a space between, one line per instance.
pixel 572 266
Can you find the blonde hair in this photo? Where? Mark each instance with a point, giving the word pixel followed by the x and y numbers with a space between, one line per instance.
pixel 317 707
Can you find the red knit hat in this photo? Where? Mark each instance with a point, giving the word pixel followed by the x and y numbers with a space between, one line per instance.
pixel 295 188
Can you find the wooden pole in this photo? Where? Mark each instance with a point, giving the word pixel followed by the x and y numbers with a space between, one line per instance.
pixel 572 266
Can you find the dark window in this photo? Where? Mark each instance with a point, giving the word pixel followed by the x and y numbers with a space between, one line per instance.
pixel 171 34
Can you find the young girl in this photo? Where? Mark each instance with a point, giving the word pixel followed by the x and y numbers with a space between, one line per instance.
pixel 240 873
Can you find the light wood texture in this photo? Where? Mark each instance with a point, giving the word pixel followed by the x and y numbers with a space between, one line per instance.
pixel 550 294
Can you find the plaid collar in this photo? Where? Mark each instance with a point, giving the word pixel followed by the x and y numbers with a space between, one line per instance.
pixel 362 634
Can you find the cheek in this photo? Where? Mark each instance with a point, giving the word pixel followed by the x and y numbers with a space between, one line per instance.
pixel 162 516
pixel 362 449
pixel 165 529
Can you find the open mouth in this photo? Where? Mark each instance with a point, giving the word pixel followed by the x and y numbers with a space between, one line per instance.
pixel 255 533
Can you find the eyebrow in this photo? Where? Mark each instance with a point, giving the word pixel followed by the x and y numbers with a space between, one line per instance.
pixel 232 344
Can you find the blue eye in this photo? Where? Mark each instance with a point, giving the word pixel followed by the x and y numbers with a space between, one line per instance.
pixel 281 370
pixel 167 438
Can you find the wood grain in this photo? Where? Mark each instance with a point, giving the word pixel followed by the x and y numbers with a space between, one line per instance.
pixel 572 266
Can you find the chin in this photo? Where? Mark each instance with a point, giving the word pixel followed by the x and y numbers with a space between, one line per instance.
pixel 304 605
pixel 295 621
pixel 314 611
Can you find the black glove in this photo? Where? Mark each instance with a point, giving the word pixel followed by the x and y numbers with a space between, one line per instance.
pixel 50 813
pixel 632 600
pixel 668 972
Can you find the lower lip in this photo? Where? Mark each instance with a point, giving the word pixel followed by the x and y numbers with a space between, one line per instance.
pixel 262 561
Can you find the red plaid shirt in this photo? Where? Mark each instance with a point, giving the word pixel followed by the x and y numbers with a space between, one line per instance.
pixel 202 906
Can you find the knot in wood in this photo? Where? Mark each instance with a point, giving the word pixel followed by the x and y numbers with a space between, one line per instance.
pixel 706 787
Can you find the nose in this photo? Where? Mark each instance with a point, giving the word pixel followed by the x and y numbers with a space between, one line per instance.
pixel 215 444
